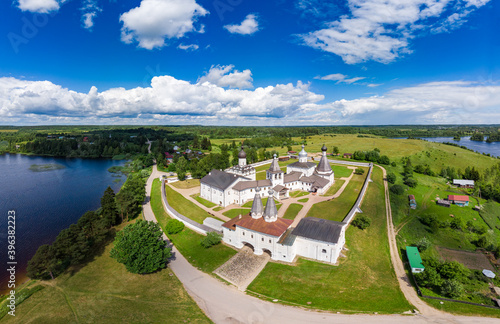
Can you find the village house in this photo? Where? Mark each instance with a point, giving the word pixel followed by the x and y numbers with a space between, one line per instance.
pixel 347 156
pixel 413 202
pixel 463 183
pixel 459 200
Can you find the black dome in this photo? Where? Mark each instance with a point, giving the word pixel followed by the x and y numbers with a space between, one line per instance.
pixel 324 149
pixel 242 154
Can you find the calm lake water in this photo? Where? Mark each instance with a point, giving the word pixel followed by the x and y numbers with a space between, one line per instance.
pixel 47 202
pixel 481 147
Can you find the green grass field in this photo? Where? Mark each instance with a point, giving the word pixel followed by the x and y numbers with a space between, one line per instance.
pixel 298 193
pixel 337 209
pixel 186 184
pixel 334 188
pixel 235 212
pixel 203 201
pixel 363 283
pixel 341 171
pixel 188 241
pixel 104 292
pixel 184 206
pixel 303 200
pixel 292 211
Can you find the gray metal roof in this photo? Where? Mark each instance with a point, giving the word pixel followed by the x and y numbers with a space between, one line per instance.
pixel 242 185
pixel 323 165
pixel 292 176
pixel 219 179
pixel 271 210
pixel 275 167
pixel 316 181
pixel 319 229
pixel 302 165
pixel 463 182
pixel 257 207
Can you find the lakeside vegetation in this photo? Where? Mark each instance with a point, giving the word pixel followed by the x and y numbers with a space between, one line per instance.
pixel 46 167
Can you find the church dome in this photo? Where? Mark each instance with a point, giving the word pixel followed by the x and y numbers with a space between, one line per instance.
pixel 324 149
pixel 242 154
pixel 303 153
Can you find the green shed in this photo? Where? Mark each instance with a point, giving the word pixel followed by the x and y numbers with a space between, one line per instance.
pixel 415 259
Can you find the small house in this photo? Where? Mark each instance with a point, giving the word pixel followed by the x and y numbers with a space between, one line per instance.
pixel 463 183
pixel 414 259
pixel 169 157
pixel 347 156
pixel 283 158
pixel 459 200
pixel 188 151
pixel 85 139
pixel 176 148
pixel 413 202
pixel 443 202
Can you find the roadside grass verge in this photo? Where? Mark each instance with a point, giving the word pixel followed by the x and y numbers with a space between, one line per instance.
pixel 203 201
pixel 188 241
pixel 184 206
pixel 303 200
pixel 365 282
pixel 186 184
pixel 337 209
pixel 293 210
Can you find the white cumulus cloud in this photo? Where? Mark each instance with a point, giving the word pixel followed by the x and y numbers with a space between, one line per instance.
pixel 40 6
pixel 154 21
pixel 223 77
pixel 381 30
pixel 340 78
pixel 247 27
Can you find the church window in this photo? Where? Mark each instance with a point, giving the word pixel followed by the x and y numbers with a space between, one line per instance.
pixel 251 236
pixel 243 233
pixel 324 250
pixel 269 241
pixel 262 239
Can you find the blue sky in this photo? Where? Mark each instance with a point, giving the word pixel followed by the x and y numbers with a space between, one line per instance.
pixel 238 62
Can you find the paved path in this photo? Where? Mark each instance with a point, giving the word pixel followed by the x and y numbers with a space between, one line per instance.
pixel 227 305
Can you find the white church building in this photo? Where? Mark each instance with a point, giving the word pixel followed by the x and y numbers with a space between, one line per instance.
pixel 238 184
pixel 265 232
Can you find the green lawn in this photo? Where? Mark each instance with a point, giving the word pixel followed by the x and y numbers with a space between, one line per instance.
pixel 303 200
pixel 186 184
pixel 260 175
pixel 188 241
pixel 334 188
pixel 491 215
pixel 218 208
pixel 104 292
pixel 184 206
pixel 298 193
pixel 341 171
pixel 337 209
pixel 235 212
pixel 203 201
pixel 363 283
pixel 292 211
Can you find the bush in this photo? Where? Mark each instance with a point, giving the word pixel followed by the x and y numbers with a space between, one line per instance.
pixel 212 238
pixel 362 222
pixel 423 244
pixel 452 288
pixel 410 182
pixel 454 270
pixel 384 159
pixel 359 171
pixel 430 278
pixel 397 189
pixel 393 164
pixel 457 223
pixel 174 226
pixel 391 178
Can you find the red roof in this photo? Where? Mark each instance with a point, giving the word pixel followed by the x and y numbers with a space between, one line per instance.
pixel 458 198
pixel 168 155
pixel 276 228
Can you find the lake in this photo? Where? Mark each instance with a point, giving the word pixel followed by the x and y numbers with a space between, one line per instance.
pixel 47 194
pixel 481 147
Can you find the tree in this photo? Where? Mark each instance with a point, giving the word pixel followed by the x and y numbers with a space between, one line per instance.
pixel 335 150
pixel 109 211
pixel 140 247
pixel 362 222
pixel 423 244
pixel 410 182
pixel 391 178
pixel 454 270
pixel 397 189
pixel 43 264
pixel 384 159
pixel 174 226
pixel 181 168
pixel 358 155
pixel 452 288
pixel 430 278
pixel 359 171
pixel 212 238
pixel 126 204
